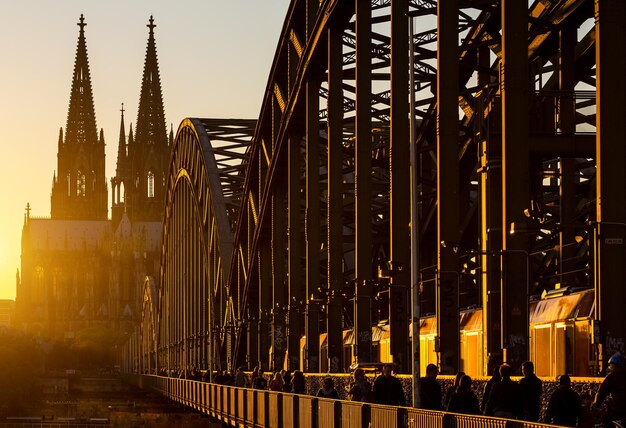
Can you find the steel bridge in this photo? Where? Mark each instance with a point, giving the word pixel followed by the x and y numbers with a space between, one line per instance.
pixel 283 234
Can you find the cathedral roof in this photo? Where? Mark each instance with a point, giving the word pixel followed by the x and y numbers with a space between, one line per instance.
pixel 68 235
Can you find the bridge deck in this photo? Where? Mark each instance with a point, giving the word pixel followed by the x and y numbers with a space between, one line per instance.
pixel 243 407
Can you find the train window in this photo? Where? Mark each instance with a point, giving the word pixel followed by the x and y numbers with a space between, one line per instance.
pixel 542 350
pixel 564 349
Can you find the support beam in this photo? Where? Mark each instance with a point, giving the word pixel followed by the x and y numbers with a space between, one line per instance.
pixel 363 184
pixel 447 185
pixel 611 176
pixel 312 227
pixel 279 278
pixel 335 199
pixel 515 180
pixel 400 188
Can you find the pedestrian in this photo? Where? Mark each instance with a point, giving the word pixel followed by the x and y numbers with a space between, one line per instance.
pixel 614 384
pixel 430 390
pixel 463 400
pixel 564 407
pixel 589 413
pixel 287 378
pixel 532 389
pixel 260 382
pixel 495 377
pixel 298 383
pixel 277 383
pixel 360 388
pixel 505 399
pixel 254 375
pixel 452 389
pixel 388 389
pixel 328 389
pixel 241 379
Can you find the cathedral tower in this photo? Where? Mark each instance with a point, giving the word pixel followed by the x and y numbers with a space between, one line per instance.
pixel 148 153
pixel 79 188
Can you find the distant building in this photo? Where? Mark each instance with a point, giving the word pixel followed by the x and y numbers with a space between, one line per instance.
pixel 82 272
pixel 7 307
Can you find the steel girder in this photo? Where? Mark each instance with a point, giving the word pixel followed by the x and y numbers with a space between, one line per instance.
pixel 196 309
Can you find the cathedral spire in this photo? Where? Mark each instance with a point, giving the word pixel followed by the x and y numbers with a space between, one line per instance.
pixel 121 149
pixel 80 190
pixel 151 128
pixel 81 118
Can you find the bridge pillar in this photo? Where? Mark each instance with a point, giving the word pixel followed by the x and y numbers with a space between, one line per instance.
pixel 363 185
pixel 448 279
pixel 335 199
pixel 400 241
pixel 610 175
pixel 514 85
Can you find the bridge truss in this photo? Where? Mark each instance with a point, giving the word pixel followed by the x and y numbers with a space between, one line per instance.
pixel 512 132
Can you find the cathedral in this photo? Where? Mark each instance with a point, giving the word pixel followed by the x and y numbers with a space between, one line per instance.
pixel 82 273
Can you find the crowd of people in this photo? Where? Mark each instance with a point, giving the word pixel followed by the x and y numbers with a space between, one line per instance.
pixel 502 397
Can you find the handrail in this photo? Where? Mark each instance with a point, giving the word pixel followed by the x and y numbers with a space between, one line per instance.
pixel 251 407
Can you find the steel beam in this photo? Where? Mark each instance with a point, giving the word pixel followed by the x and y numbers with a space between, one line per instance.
pixel 514 87
pixel 265 303
pixel 312 226
pixel 279 277
pixel 610 175
pixel 334 211
pixel 296 277
pixel 399 188
pixel 363 185
pixel 448 184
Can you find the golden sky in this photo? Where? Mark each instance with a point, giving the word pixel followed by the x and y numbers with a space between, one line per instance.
pixel 214 59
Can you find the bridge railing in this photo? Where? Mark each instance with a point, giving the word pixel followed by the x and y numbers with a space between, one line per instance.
pixel 257 408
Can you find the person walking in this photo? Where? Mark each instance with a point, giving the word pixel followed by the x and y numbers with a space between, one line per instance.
pixel 277 383
pixel 328 389
pixel 463 400
pixel 298 383
pixel 259 381
pixel 360 388
pixel 614 384
pixel 495 377
pixel 430 390
pixel 564 407
pixel 532 389
pixel 388 389
pixel 452 389
pixel 241 380
pixel 505 399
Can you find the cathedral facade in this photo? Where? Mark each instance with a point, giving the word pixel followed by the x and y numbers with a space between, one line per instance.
pixel 82 273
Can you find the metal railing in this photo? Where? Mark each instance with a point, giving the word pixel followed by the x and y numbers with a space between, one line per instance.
pixel 244 407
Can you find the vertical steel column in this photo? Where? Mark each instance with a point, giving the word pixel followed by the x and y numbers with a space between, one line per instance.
pixel 265 301
pixel 610 174
pixel 296 277
pixel 335 198
pixel 447 184
pixel 400 187
pixel 363 184
pixel 312 226
pixel 515 179
pixel 567 119
pixel 279 279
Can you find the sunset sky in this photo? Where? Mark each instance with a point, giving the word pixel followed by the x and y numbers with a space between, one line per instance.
pixel 214 59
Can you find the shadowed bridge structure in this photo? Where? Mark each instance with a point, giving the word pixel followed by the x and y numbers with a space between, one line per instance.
pixel 287 240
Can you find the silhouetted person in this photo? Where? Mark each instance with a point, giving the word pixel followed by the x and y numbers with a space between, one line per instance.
pixel 277 383
pixel 430 390
pixel 388 389
pixel 452 389
pixel 287 377
pixel 360 388
pixel 240 378
pixel 495 377
pixel 328 389
pixel 532 389
pixel 463 399
pixel 259 381
pixel 505 399
pixel 298 383
pixel 564 407
pixel 614 384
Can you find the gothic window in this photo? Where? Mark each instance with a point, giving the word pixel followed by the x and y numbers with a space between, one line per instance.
pixel 80 184
pixel 122 193
pixel 69 184
pixel 39 290
pixel 150 184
